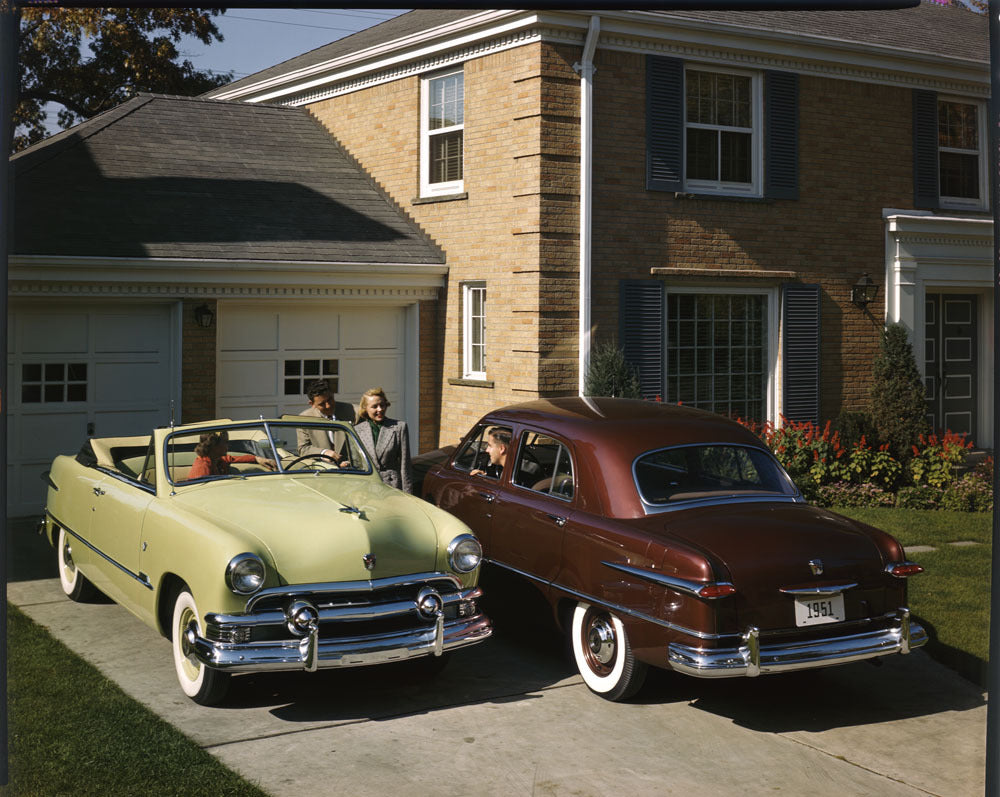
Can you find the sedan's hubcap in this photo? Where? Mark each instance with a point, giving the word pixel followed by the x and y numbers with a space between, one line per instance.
pixel 601 638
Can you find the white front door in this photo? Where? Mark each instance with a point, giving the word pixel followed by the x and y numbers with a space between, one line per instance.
pixel 269 353
pixel 80 370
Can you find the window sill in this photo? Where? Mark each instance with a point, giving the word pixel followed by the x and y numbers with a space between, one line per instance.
pixel 428 200
pixel 723 197
pixel 471 382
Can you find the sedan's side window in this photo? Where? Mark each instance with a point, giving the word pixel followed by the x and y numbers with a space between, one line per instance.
pixel 544 465
pixel 485 451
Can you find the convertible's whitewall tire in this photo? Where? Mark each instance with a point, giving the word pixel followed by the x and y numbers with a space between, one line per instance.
pixel 202 684
pixel 73 582
pixel 603 654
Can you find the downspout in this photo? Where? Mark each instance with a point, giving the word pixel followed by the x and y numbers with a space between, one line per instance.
pixel 586 69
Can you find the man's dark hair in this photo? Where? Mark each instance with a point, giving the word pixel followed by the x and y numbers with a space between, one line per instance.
pixel 502 436
pixel 318 387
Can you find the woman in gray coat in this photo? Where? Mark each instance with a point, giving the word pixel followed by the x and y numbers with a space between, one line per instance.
pixel 387 441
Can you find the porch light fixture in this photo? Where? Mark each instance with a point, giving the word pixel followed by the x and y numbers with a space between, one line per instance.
pixel 864 291
pixel 204 316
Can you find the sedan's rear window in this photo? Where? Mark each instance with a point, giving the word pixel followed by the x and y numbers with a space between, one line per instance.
pixel 689 473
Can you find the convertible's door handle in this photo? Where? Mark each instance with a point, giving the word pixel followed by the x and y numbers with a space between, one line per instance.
pixel 98 491
pixel 490 498
pixel 559 521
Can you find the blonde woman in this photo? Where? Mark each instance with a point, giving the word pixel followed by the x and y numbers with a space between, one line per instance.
pixel 387 441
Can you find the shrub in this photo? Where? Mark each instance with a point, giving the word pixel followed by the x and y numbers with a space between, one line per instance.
pixel 921 496
pixel 898 408
pixel 610 374
pixel 969 494
pixel 855 426
pixel 856 495
pixel 937 459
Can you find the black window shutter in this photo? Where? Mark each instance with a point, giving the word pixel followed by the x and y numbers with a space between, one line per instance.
pixel 925 149
pixel 800 322
pixel 781 103
pixel 640 332
pixel 664 123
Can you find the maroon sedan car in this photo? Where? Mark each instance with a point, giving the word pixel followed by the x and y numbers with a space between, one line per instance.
pixel 668 536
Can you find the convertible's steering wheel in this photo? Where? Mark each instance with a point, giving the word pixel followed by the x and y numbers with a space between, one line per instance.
pixel 304 457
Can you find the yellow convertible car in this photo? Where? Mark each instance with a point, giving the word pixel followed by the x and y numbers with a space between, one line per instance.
pixel 252 551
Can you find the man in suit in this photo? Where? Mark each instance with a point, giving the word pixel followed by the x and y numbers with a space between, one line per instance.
pixel 330 444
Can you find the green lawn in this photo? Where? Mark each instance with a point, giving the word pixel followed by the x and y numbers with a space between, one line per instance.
pixel 74 732
pixel 952 595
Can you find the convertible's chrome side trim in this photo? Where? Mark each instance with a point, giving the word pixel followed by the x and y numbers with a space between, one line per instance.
pixel 753 658
pixel 334 587
pixel 142 578
pixel 616 607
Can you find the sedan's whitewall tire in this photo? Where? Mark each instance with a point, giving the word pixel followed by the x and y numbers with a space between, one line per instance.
pixel 202 684
pixel 603 654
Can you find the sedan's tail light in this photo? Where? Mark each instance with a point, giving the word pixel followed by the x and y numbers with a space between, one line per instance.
pixel 903 569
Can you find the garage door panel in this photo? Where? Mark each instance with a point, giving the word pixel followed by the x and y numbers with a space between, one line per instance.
pixel 43 435
pixel 27 484
pixel 318 330
pixel 129 333
pixel 53 333
pixel 129 382
pixel 248 329
pixel 251 377
pixel 373 330
pixel 358 374
pixel 125 423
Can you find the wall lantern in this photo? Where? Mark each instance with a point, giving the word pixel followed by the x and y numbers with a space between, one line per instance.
pixel 204 316
pixel 864 291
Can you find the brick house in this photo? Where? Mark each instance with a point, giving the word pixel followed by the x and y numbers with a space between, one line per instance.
pixel 720 179
pixel 705 188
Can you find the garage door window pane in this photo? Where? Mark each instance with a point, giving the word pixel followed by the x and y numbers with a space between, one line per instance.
pixel 53 383
pixel 299 373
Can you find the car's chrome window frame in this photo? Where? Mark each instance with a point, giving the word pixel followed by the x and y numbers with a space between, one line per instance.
pixel 522 435
pixel 266 426
pixel 650 508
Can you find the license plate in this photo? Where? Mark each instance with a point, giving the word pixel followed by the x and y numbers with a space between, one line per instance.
pixel 816 611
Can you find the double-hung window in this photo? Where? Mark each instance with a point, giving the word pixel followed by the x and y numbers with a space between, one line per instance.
pixel 442 134
pixel 722 132
pixel 474 330
pixel 961 154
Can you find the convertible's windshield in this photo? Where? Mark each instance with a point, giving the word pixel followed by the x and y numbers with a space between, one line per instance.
pixel 688 473
pixel 255 449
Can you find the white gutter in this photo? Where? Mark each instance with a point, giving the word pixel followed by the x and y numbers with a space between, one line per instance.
pixel 586 70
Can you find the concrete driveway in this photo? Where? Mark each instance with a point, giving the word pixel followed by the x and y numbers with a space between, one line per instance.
pixel 512 717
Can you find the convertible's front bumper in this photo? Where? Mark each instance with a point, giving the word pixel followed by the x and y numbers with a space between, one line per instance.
pixel 339 635
pixel 752 658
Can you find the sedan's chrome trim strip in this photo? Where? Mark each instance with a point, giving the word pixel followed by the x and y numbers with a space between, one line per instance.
pixel 142 578
pixel 615 607
pixel 819 592
pixel 679 584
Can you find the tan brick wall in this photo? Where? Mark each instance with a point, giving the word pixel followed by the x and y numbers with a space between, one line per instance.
pixel 855 159
pixel 198 365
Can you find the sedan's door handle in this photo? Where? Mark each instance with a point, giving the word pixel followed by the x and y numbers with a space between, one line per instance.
pixel 490 498
pixel 559 521
pixel 98 491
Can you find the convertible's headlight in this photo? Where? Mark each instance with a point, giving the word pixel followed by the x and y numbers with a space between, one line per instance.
pixel 464 553
pixel 245 574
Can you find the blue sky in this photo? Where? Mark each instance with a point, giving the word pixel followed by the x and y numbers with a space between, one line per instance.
pixel 256 38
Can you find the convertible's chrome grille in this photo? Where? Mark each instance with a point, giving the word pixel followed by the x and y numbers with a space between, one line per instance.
pixel 378 597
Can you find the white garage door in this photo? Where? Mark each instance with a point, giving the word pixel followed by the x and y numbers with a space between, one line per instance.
pixel 268 354
pixel 76 371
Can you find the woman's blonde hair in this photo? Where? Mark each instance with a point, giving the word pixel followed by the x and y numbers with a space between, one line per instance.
pixel 372 392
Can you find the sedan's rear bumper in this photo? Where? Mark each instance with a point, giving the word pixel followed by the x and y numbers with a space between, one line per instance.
pixel 312 652
pixel 751 658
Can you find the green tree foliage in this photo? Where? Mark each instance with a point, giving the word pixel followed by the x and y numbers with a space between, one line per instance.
pixel 610 374
pixel 88 60
pixel 898 407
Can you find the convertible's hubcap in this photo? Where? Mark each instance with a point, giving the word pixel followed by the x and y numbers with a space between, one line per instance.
pixel 67 555
pixel 601 639
pixel 191 664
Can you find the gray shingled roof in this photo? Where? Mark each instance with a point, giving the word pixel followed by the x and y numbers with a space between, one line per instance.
pixel 942 31
pixel 185 177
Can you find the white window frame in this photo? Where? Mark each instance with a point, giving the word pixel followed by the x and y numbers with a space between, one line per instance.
pixel 982 132
pixel 773 337
pixel 755 187
pixel 427 188
pixel 468 324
